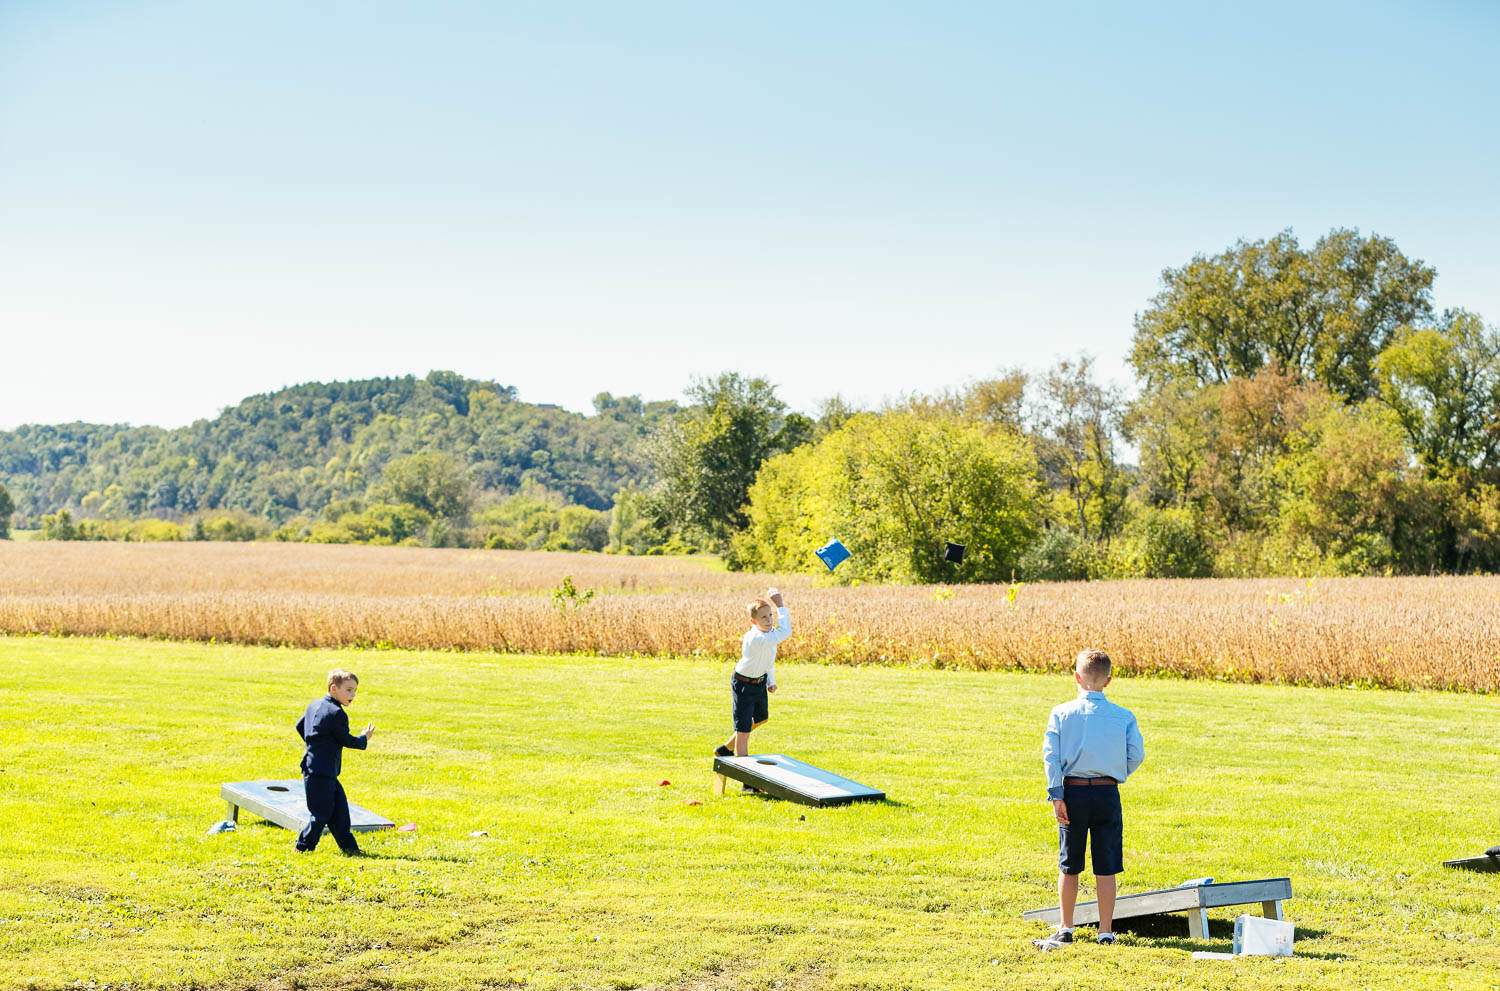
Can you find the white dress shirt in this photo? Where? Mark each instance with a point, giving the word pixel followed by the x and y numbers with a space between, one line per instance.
pixel 758 648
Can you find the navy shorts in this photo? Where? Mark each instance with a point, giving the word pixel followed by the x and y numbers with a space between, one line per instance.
pixel 1095 820
pixel 752 704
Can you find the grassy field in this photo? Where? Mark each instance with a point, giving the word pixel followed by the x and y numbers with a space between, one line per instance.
pixel 594 875
pixel 1393 632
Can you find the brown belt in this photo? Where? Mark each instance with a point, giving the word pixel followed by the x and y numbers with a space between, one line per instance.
pixel 1090 781
pixel 748 681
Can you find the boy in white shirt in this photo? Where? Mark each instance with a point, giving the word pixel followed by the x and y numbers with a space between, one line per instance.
pixel 755 675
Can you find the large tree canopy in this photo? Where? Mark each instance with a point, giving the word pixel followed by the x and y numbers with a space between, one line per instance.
pixel 1324 314
pixel 895 487
pixel 706 457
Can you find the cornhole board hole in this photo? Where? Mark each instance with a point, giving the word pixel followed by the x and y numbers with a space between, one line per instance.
pixel 285 804
pixel 786 777
pixel 1195 900
pixel 1489 863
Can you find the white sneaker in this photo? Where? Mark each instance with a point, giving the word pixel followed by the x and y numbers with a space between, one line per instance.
pixel 1056 941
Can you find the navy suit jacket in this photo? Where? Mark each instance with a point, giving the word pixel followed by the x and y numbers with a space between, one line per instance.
pixel 325 728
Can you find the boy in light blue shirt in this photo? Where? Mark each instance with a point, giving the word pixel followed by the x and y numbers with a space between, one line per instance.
pixel 1090 748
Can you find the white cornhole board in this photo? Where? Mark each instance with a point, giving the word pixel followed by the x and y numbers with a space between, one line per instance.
pixel 285 804
pixel 786 777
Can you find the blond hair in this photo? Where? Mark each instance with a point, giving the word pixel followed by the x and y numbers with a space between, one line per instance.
pixel 1094 665
pixel 754 606
pixel 338 676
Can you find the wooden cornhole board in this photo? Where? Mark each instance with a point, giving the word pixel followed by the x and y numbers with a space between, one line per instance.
pixel 285 804
pixel 1195 900
pixel 1489 863
pixel 786 777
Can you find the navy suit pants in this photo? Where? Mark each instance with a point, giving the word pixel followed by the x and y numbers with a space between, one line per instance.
pixel 328 807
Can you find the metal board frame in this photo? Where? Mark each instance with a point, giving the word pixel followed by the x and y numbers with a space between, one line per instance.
pixel 793 780
pixel 1195 900
pixel 285 804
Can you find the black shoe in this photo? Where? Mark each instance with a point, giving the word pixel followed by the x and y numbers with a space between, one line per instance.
pixel 723 751
pixel 1056 941
pixel 1108 939
pixel 356 852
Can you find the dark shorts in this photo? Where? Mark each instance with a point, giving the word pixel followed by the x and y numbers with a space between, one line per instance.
pixel 1095 820
pixel 752 704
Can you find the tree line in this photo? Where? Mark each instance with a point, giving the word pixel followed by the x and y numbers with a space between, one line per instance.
pixel 1297 410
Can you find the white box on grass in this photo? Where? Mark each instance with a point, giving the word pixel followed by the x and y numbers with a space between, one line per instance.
pixel 1258 937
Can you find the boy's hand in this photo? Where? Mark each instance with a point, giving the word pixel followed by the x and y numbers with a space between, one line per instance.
pixel 369 731
pixel 770 688
pixel 774 594
pixel 1060 810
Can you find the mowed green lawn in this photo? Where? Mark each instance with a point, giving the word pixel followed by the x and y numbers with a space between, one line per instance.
pixel 594 875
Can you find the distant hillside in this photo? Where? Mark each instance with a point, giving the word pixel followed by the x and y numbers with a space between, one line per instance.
pixel 292 452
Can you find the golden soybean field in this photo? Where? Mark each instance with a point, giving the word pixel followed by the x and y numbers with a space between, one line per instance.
pixel 1391 632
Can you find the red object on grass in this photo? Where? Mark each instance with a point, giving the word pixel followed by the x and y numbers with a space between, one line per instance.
pixel 664 782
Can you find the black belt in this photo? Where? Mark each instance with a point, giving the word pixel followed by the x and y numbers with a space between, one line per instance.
pixel 749 681
pixel 1090 781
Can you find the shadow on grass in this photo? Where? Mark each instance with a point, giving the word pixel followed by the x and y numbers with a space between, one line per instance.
pixel 1167 931
pixel 883 802
pixel 366 853
pixel 414 858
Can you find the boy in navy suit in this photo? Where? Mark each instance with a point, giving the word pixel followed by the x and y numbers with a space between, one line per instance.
pixel 325 728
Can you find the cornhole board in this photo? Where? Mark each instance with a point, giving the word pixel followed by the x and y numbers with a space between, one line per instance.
pixel 285 804
pixel 1195 900
pixel 786 777
pixel 1489 863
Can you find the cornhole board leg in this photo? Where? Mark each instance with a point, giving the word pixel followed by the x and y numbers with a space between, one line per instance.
pixel 1198 923
pixel 234 812
pixel 720 783
pixel 1271 910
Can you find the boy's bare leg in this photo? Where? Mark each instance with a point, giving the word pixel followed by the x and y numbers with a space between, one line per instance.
pixel 1106 891
pixel 1067 897
pixel 740 742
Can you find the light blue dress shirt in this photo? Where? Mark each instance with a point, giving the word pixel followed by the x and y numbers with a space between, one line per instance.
pixel 1090 737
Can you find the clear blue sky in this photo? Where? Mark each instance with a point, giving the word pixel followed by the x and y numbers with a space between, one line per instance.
pixel 204 200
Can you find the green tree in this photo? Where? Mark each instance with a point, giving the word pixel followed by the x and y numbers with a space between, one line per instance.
pixel 59 526
pixel 896 486
pixel 1077 424
pixel 1159 542
pixel 7 508
pixel 707 457
pixel 634 527
pixel 579 529
pixel 1443 384
pixel 432 481
pixel 1323 314
pixel 1346 484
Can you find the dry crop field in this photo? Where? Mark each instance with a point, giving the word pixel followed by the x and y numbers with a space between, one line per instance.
pixel 1391 632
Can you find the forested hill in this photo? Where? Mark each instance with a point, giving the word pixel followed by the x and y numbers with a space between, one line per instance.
pixel 293 452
